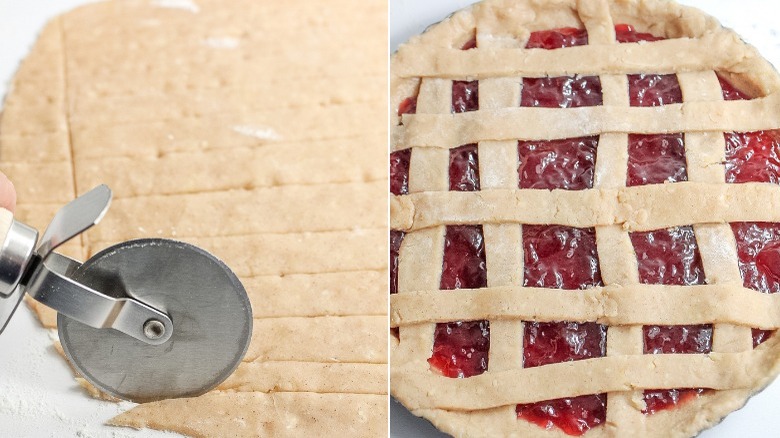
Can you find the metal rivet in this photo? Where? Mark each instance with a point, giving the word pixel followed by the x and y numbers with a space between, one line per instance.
pixel 154 329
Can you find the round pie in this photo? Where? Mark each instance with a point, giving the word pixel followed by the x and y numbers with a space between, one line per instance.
pixel 586 220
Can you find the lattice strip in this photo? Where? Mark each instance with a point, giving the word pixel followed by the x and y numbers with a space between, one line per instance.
pixel 615 304
pixel 612 156
pixel 528 123
pixel 420 265
pixel 639 208
pixel 705 153
pixel 616 254
pixel 720 371
pixel 668 56
pixel 421 253
pixel 504 256
pixel 503 242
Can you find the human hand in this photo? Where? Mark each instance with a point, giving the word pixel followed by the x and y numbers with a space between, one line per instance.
pixel 7 193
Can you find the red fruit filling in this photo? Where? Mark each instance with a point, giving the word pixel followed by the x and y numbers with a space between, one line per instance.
pixel 552 342
pixel 678 339
pixel 460 349
pixel 656 159
pixel 658 400
pixel 563 91
pixel 670 340
pixel 625 33
pixel 671 257
pixel 758 246
pixel 760 336
pixel 464 258
pixel 557 164
pixel 668 256
pixel 396 238
pixel 470 44
pixel 750 156
pixel 758 250
pixel 465 96
pixel 399 172
pixel 648 89
pixel 754 157
pixel 464 169
pixel 560 257
pixel 653 90
pixel 557 38
pixel 408 106
pixel 574 415
pixel 730 92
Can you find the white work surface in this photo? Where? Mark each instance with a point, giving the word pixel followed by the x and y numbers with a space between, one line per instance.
pixel 38 396
pixel 756 21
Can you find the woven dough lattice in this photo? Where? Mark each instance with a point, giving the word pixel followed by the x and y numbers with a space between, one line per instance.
pixel 426 205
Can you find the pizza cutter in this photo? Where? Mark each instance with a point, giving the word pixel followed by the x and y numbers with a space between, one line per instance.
pixel 143 320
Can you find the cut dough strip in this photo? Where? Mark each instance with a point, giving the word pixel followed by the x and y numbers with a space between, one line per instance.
pixel 640 208
pixel 270 377
pixel 292 253
pixel 300 164
pixel 326 294
pixel 348 378
pixel 529 123
pixel 666 56
pixel 241 212
pixel 591 376
pixel 319 339
pixel 253 414
pixel 614 305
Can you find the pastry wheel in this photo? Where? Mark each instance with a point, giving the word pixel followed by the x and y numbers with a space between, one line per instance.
pixel 142 320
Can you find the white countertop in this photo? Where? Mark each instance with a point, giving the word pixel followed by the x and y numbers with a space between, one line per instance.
pixel 410 17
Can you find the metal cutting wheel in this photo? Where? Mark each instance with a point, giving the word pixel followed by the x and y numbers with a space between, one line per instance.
pixel 209 309
pixel 142 320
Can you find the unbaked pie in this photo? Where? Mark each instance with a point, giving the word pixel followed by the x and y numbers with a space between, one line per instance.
pixel 586 220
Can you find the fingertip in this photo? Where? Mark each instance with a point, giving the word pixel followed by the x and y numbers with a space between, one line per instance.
pixel 7 193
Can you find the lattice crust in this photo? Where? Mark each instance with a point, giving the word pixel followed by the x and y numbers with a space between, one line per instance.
pixel 484 405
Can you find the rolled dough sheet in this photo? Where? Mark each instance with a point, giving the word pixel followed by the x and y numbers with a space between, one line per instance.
pixel 256 130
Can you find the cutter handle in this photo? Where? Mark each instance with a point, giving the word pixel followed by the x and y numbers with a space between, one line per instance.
pixel 6 218
pixel 10 293
pixel 18 243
